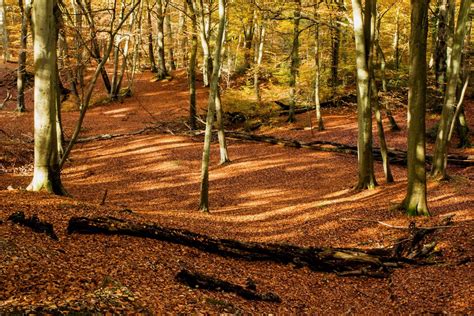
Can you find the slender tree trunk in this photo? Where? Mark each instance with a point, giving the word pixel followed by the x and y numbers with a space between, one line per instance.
pixel 220 130
pixel 192 67
pixel 294 59
pixel 204 24
pixel 317 66
pixel 258 60
pixel 249 31
pixel 137 44
pixel 335 42
pixel 169 32
pixel 440 156
pixel 183 37
pixel 396 41
pixel 46 175
pixel 204 196
pixel 372 28
pixel 162 71
pixel 364 142
pixel 21 72
pixel 415 202
pixel 441 43
pixel 4 32
pixel 151 51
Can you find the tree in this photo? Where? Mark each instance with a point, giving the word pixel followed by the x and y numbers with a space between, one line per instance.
pixel 317 66
pixel 46 175
pixel 415 202
pixel 192 65
pixel 213 93
pixel 162 71
pixel 3 31
pixel 21 72
pixel 294 59
pixel 364 114
pixel 440 156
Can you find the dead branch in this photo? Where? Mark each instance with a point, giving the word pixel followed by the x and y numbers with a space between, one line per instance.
pixel 372 262
pixel 198 280
pixel 34 223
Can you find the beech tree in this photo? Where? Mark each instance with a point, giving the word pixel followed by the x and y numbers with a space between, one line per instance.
pixel 441 147
pixel 415 202
pixel 47 173
pixel 364 114
pixel 213 94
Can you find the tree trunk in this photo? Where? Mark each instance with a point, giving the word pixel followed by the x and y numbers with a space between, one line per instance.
pixel 335 45
pixel 415 202
pixel 441 43
pixel 21 72
pixel 192 66
pixel 169 32
pixel 162 71
pixel 204 25
pixel 4 32
pixel 220 130
pixel 258 60
pixel 204 195
pixel 183 36
pixel 294 59
pixel 441 147
pixel 396 41
pixel 46 175
pixel 151 51
pixel 364 142
pixel 317 65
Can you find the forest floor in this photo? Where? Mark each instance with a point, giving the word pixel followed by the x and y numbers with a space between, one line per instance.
pixel 267 193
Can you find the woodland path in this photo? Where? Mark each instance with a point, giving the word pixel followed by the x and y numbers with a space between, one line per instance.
pixel 267 194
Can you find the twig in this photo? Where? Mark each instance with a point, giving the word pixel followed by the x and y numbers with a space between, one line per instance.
pixel 104 197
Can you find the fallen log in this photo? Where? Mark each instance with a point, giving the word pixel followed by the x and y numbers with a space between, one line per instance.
pixel 346 99
pixel 202 281
pixel 34 223
pixel 373 262
pixel 395 156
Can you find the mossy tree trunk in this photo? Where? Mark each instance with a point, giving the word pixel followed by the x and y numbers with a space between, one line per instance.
pixel 415 202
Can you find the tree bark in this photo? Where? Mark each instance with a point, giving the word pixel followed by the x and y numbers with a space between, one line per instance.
pixel 46 174
pixel 21 72
pixel 317 65
pixel 441 147
pixel 162 71
pixel 192 66
pixel 415 202
pixel 169 32
pixel 151 51
pixel 364 142
pixel 204 192
pixel 4 32
pixel 294 59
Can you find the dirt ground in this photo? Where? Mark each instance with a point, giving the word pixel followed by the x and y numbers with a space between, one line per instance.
pixel 267 194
